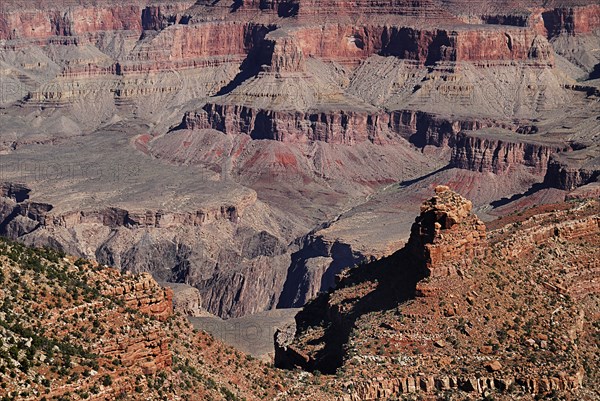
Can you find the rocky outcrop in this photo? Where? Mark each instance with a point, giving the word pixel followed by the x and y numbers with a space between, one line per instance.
pixel 145 295
pixel 339 126
pixel 18 215
pixel 444 239
pixel 579 278
pixel 186 299
pixel 283 53
pixel 567 230
pixel 572 20
pixel 411 344
pixel 380 387
pixel 146 351
pixel 17 192
pixel 160 16
pixel 574 169
pixel 446 236
pixel 500 154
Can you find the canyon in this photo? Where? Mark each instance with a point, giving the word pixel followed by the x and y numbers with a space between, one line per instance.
pixel 465 309
pixel 253 150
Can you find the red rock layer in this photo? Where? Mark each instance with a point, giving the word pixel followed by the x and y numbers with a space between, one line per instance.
pixel 145 295
pixel 195 46
pixel 336 126
pixel 572 20
pixel 43 20
pixel 43 24
pixel 345 127
pixel 151 351
pixel 499 156
pixel 352 43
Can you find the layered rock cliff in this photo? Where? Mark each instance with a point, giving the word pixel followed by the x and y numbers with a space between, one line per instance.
pixel 572 20
pixel 485 152
pixel 572 170
pixel 338 127
pixel 174 246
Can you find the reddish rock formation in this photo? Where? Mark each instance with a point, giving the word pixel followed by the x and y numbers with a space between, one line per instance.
pixel 574 169
pixel 349 44
pixel 500 153
pixel 286 54
pixel 345 127
pixel 44 24
pixel 145 295
pixel 446 236
pixel 159 16
pixel 151 351
pixel 572 20
pixel 45 20
pixel 444 239
pixel 206 40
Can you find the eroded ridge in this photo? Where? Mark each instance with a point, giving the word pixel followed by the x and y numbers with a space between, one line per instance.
pixel 500 316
